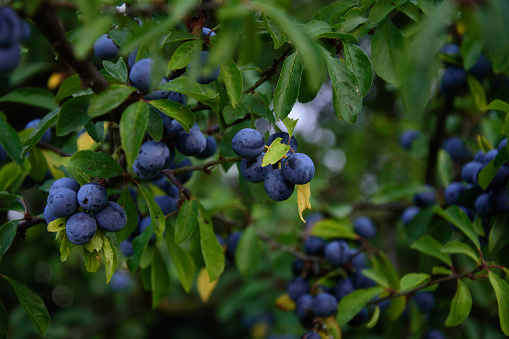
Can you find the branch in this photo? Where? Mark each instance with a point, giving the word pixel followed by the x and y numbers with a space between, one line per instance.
pixel 269 72
pixel 52 148
pixel 49 25
pixel 288 249
pixel 27 223
pixel 453 276
pixel 182 188
pixel 206 167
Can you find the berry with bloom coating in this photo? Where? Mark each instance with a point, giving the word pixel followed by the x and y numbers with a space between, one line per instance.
pixel 112 217
pixel 81 228
pixel 248 143
pixel 92 196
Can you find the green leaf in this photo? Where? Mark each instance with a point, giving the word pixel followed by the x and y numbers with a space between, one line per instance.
pixel 139 244
pixel 96 244
pixel 155 124
pixel 352 19
pixel 459 247
pixel 352 303
pixel 126 201
pixel 430 246
pixel 73 115
pixel 471 49
pixel 11 202
pixel 68 87
pixel 106 101
pixel 376 276
pixel 233 81
pixel 133 125
pixel 383 265
pixel 117 70
pixel 33 96
pixel 459 219
pixel 11 142
pixel 90 32
pixel 426 6
pixel 95 130
pixel 382 8
pixel 190 88
pixel 490 170
pixel 499 105
pixel 411 10
pixel 7 234
pixel 247 254
pixel 33 305
pixel 13 175
pixel 156 215
pixel 4 328
pixel 374 318
pixel 413 280
pixel 274 31
pixel 460 306
pixel 478 93
pixel 211 250
pixel 502 292
pixel 334 11
pixel 441 270
pixel 347 97
pixel 290 125
pixel 287 88
pixel 387 52
pixel 110 258
pixel 187 219
pixel 276 152
pixel 499 234
pixel 184 263
pixel 92 260
pixel 177 35
pixel 159 278
pixel 39 130
pixel 445 169
pixel 175 110
pixel 95 164
pixel 330 229
pixel 184 54
pixel 65 246
pixel 359 64
pixel 396 308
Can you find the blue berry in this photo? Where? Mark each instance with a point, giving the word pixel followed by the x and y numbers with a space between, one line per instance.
pixel 425 301
pixel 483 205
pixel 481 68
pixel 141 171
pixel 337 253
pixel 177 97
pixel 65 183
pixel 425 199
pixel 453 192
pixel 210 148
pixel 490 156
pixel 81 228
pixel 141 74
pixel 502 144
pixel 453 79
pixel 48 216
pixel 470 171
pixel 248 143
pixel 126 247
pixel 233 241
pixel 92 197
pixel 407 137
pixel 10 27
pixel 298 168
pixel 324 305
pixel 310 335
pixel 456 148
pixel 166 203
pixel 167 122
pixel 434 334
pixel 168 188
pixel 131 58
pixel 62 202
pixel 479 156
pixel 359 280
pixel 155 156
pixel 252 170
pixel 112 217
pixel 297 287
pixel 303 305
pixel 343 288
pixel 315 246
pixel 364 227
pixel 105 48
pixel 158 93
pixel 360 318
pixel 144 223
pixel 207 32
pixel 499 199
pixel 192 143
pixel 451 49
pixel 277 187
pixel 10 57
pixel 409 213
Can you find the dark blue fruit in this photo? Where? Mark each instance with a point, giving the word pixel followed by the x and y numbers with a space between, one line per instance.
pixel 481 68
pixel 141 171
pixel 10 27
pixel 3 154
pixel 277 187
pixel 144 223
pixel 364 227
pixel 499 199
pixel 62 202
pixel 207 32
pixel 184 177
pixel 425 199
pixel 451 49
pixel 358 261
pixel 359 280
pixel 105 48
pixel 425 301
pixel 92 196
pixel 343 288
pixel 252 170
pixel 33 123
pixel 490 156
pixel 121 281
pixel 303 305
pixel 177 97
pixel 483 205
pixel 360 318
pixel 81 228
pixel 48 216
pixel 479 156
pixel 456 148
pixel 112 217
pixel 65 183
pixel 315 246
pixel 158 93
pixel 155 156
pixel 298 168
pixel 407 137
pixel 501 145
pixel 233 241
pixel 310 335
pixel 210 148
pixel 167 122
pixel 168 188
pixel 204 76
pixel 297 287
pixel 166 204
pixel 192 143
pixel 337 253
pixel 284 139
pixel 126 247
pixel 409 213
pixel 248 143
pixel 140 74
pixel 452 80
pixel 9 57
pixel 453 192
pixel 470 171
pixel 324 305
pixel 434 334
pixel 131 58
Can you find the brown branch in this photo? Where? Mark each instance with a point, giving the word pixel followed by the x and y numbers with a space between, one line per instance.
pixel 269 72
pixel 206 167
pixel 182 188
pixel 27 223
pixel 49 25
pixel 52 148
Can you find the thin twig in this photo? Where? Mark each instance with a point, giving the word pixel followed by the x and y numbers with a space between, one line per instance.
pixel 52 148
pixel 27 223
pixel 206 167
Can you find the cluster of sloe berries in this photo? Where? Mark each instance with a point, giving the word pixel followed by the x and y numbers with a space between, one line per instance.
pixel 65 199
pixel 280 179
pixel 12 30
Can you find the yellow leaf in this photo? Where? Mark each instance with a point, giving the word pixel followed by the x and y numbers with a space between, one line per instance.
pixel 332 328
pixel 205 287
pixel 57 225
pixel 85 141
pixel 54 161
pixel 303 196
pixel 285 303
